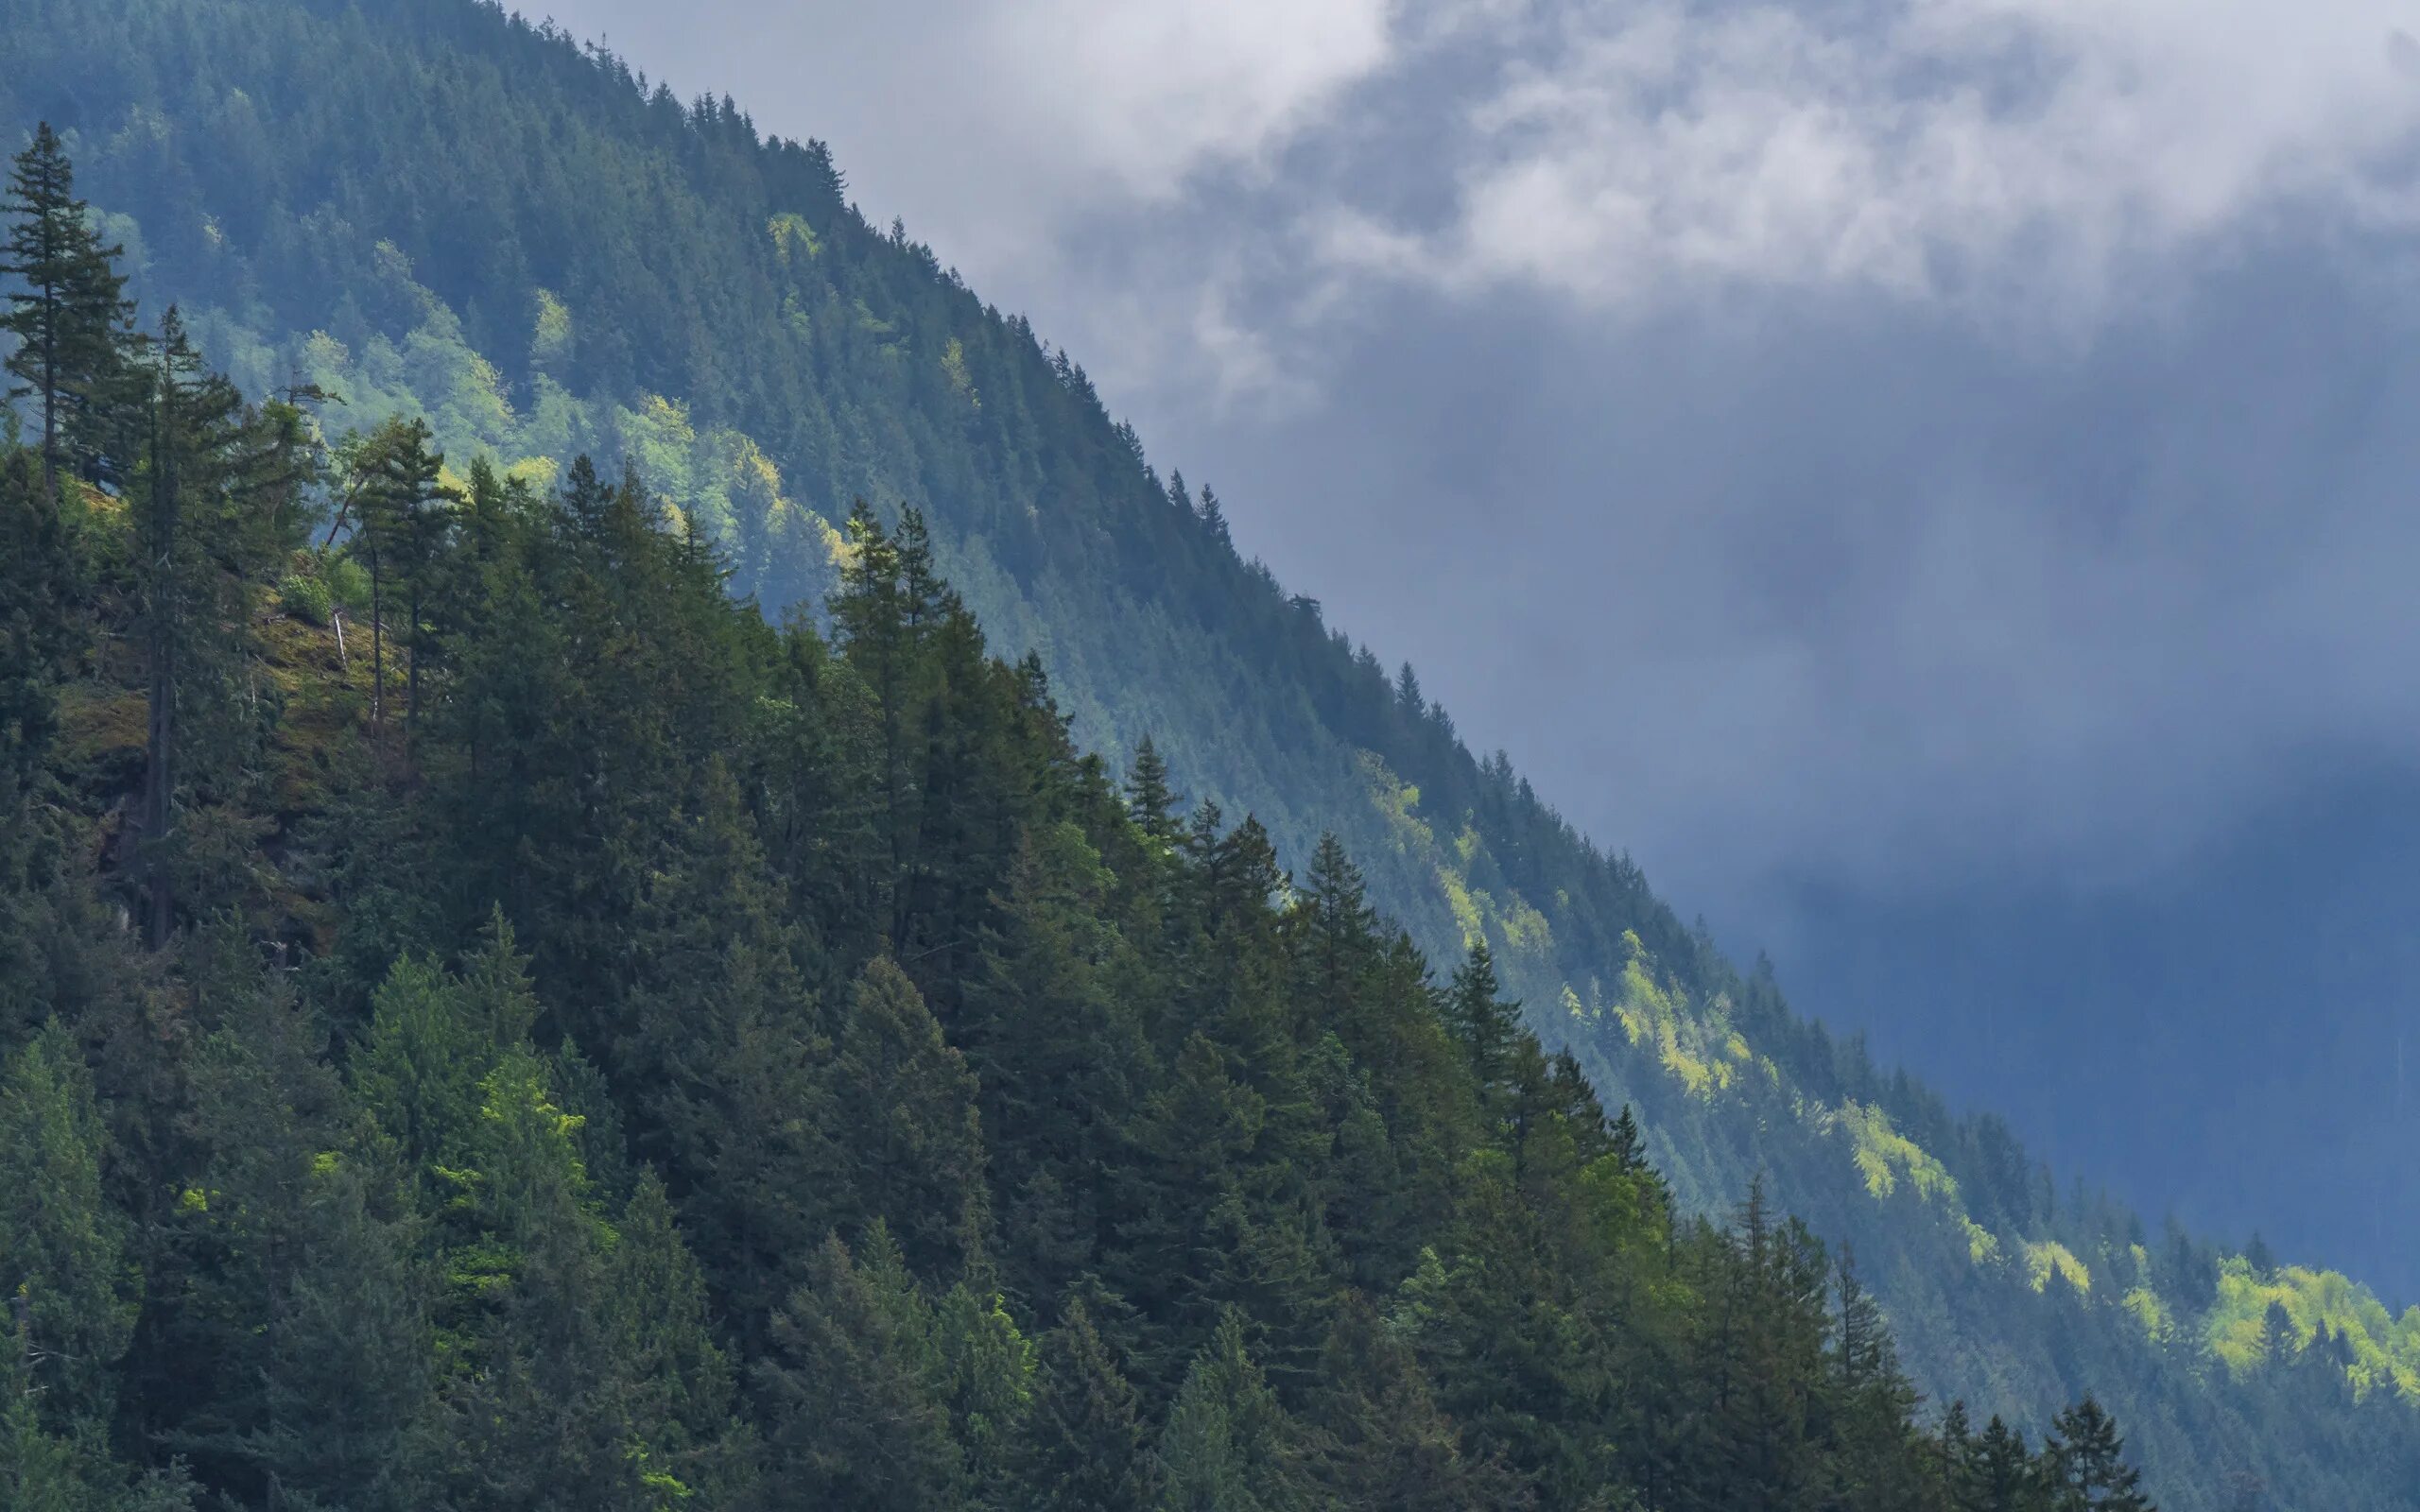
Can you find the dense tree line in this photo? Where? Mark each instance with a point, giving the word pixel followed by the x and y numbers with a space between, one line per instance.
pixel 591 1047
pixel 519 229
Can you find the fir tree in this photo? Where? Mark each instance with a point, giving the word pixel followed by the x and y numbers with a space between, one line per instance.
pixel 1487 1025
pixel 2086 1464
pixel 70 319
pixel 1150 799
pixel 401 509
pixel 1996 1473
pixel 1229 1446
pixel 905 1105
pixel 1087 1448
pixel 855 1394
pixel 62 1245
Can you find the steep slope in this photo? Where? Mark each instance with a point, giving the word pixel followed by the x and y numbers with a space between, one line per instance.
pixel 431 207
pixel 598 1053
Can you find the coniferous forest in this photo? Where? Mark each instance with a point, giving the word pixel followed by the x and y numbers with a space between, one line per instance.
pixel 529 981
pixel 496 1023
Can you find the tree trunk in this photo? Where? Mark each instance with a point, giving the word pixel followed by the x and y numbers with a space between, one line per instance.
pixel 377 646
pixel 159 784
pixel 50 392
pixel 411 672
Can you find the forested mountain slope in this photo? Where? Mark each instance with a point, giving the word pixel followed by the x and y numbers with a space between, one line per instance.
pixel 427 208
pixel 587 1049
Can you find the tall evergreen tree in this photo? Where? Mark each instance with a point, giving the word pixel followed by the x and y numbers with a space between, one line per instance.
pixel 2086 1464
pixel 1229 1446
pixel 218 505
pixel 1087 1448
pixel 1488 1026
pixel 906 1107
pixel 71 319
pixel 855 1393
pixel 1996 1473
pixel 1149 797
pixel 63 1260
pixel 401 508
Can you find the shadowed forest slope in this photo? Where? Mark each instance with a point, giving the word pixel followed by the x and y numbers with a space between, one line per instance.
pixel 430 209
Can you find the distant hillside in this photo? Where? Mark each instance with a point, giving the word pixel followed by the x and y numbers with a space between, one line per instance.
pixel 430 208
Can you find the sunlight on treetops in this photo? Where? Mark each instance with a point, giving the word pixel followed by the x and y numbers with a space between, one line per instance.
pixel 2049 1258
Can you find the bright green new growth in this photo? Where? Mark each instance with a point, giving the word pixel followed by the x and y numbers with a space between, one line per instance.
pixel 768 373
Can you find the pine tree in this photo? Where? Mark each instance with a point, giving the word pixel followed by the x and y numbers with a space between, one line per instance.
pixel 71 317
pixel 1086 1449
pixel 722 1053
pixel 347 1352
pixel 217 503
pixel 63 1266
pixel 2086 1462
pixel 1150 799
pixel 1873 1463
pixel 298 1351
pixel 854 1394
pixel 1996 1473
pixel 2280 1339
pixel 402 511
pixel 987 1372
pixel 1341 941
pixel 888 610
pixel 1488 1027
pixel 668 1393
pixel 1229 1446
pixel 1059 1060
pixel 433 1039
pixel 1385 1442
pixel 1214 518
pixel 904 1104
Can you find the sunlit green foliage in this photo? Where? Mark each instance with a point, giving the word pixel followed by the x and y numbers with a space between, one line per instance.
pixel 432 211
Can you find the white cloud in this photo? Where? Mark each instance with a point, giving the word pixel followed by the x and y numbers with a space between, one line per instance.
pixel 2045 155
pixel 1898 586
pixel 1147 90
pixel 1928 148
pixel 993 129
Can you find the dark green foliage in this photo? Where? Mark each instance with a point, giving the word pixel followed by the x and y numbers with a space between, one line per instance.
pixel 40 635
pixel 63 1246
pixel 2085 1466
pixel 853 1391
pixel 432 186
pixel 885 1024
pixel 1324 1235
pixel 398 511
pixel 1086 1447
pixel 1487 1025
pixel 1229 1446
pixel 43 635
pixel 904 1108
pixel 218 501
pixel 69 315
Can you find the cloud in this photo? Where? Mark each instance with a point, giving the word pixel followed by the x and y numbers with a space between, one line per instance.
pixel 1147 92
pixel 995 128
pixel 1735 305
pixel 1897 451
pixel 1951 150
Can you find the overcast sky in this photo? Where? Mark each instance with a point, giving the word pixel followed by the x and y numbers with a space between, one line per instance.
pixel 1879 446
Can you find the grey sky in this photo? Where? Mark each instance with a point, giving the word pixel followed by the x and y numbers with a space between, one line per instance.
pixel 1894 444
